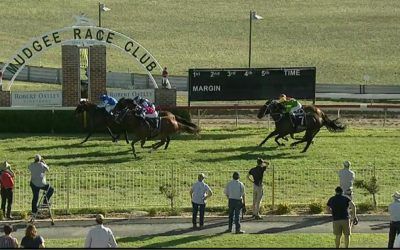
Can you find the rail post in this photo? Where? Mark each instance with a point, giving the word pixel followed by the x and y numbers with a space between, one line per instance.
pixel 236 113
pixel 68 188
pixel 273 188
pixel 198 117
pixel 338 113
pixel 384 116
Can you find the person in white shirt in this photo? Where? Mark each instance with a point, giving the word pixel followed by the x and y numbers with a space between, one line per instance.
pixel 394 212
pixel 38 182
pixel 199 193
pixel 100 236
pixel 346 177
pixel 234 191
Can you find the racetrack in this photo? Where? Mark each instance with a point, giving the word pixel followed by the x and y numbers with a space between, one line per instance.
pixel 101 170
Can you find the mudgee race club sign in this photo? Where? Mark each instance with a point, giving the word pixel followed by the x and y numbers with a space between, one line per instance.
pixel 82 36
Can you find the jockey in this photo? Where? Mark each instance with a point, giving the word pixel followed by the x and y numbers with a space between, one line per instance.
pixel 292 106
pixel 108 103
pixel 146 109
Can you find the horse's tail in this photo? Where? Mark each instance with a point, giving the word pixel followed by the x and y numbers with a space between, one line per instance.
pixel 187 127
pixel 333 125
pixel 184 121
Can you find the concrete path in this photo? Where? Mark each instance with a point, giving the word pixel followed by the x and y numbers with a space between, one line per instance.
pixel 182 226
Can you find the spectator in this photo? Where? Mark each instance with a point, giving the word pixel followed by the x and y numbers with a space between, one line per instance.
pixel 100 236
pixel 235 192
pixel 394 212
pixel 7 186
pixel 165 82
pixel 257 174
pixel 339 206
pixel 199 193
pixel 396 243
pixel 346 177
pixel 31 239
pixel 8 241
pixel 38 181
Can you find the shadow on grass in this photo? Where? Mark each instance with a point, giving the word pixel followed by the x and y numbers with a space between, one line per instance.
pixel 253 152
pixel 91 154
pixel 211 136
pixel 380 226
pixel 175 242
pixel 308 222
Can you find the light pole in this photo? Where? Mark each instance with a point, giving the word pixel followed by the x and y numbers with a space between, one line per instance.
pixel 253 16
pixel 102 7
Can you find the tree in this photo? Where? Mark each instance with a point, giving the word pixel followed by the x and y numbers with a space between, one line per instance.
pixel 371 187
pixel 170 193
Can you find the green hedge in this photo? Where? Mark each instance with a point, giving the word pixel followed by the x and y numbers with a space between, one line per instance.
pixel 49 121
pixel 39 121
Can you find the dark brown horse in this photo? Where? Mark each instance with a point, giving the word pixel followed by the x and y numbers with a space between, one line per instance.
pixel 131 105
pixel 314 120
pixel 98 119
pixel 167 127
pixel 126 104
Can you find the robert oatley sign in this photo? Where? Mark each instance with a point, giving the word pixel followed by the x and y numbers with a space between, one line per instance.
pixel 131 93
pixel 36 98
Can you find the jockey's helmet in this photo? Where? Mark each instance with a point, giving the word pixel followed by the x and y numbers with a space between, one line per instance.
pixel 136 99
pixel 103 97
pixel 282 98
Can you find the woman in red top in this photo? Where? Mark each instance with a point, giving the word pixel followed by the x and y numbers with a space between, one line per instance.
pixel 7 186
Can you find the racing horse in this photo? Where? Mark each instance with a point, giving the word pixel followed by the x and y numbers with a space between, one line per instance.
pixel 125 104
pixel 141 131
pixel 99 118
pixel 314 120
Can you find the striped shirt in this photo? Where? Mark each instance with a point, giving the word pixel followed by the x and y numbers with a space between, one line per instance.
pixel 234 190
pixel 7 241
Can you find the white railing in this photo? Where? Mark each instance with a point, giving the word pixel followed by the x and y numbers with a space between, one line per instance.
pixel 114 189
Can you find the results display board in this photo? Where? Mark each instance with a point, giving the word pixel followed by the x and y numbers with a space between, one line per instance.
pixel 251 84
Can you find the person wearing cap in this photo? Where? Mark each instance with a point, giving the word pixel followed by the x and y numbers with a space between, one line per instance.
pixel 394 212
pixel 7 240
pixel 235 192
pixel 199 193
pixel 255 176
pixel 38 170
pixel 339 206
pixel 7 186
pixel 100 236
pixel 346 177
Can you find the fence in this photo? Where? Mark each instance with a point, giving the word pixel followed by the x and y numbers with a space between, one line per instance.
pixel 124 189
pixel 127 80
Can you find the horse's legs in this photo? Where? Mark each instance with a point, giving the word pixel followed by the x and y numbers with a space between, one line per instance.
pixel 273 133
pixel 159 144
pixel 309 140
pixel 142 142
pixel 114 139
pixel 133 145
pixel 304 139
pixel 126 137
pixel 166 145
pixel 87 137
pixel 279 137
